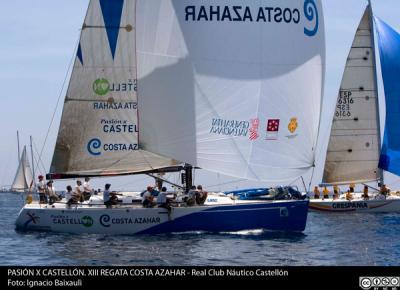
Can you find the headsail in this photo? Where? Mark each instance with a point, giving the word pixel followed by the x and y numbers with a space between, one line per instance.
pixel 389 48
pixel 99 130
pixel 219 87
pixel 23 178
pixel 353 149
pixel 235 86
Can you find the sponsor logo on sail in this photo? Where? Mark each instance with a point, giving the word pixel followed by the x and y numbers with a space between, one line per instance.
pixel 267 14
pixel 311 14
pixel 95 147
pixel 118 126
pixel 255 123
pixel 235 128
pixel 103 86
pixel 272 129
pixel 106 221
pixel 115 105
pixel 292 127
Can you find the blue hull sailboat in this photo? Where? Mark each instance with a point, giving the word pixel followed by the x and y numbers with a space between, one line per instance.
pixel 166 86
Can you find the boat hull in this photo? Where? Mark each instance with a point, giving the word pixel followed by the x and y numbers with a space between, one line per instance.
pixel 372 205
pixel 277 216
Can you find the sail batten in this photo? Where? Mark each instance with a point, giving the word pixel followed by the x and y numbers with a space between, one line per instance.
pixel 354 144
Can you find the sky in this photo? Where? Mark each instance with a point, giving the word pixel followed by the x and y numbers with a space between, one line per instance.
pixel 39 39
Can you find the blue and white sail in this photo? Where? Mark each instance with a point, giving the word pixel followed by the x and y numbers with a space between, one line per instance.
pixel 234 87
pixel 354 143
pixel 389 48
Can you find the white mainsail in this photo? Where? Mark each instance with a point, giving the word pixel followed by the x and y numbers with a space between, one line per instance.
pixel 99 130
pixel 233 87
pixel 23 179
pixel 354 144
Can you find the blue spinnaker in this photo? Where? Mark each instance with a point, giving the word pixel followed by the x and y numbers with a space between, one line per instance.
pixel 389 48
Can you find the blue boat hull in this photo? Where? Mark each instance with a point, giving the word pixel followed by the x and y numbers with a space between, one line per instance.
pixel 242 215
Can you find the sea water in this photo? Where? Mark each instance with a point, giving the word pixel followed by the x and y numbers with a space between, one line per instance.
pixel 329 239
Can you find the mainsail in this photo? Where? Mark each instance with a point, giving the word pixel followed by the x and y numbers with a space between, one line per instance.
pixel 232 86
pixel 99 130
pixel 354 144
pixel 389 48
pixel 23 179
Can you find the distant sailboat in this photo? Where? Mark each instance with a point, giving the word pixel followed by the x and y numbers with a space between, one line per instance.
pixel 23 180
pixel 167 86
pixel 354 150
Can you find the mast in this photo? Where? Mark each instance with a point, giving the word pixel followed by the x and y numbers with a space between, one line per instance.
pixel 33 163
pixel 371 19
pixel 19 153
pixel 188 177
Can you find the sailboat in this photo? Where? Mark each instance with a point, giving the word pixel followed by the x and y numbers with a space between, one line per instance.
pixel 23 180
pixel 167 86
pixel 355 154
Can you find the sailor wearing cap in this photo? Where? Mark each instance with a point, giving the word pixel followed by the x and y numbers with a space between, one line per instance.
pixel 41 189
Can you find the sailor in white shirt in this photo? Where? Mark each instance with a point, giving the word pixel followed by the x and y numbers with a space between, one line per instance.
pixel 78 190
pixel 87 190
pixel 41 188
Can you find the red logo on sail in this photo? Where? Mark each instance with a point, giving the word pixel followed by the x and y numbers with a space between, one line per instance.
pixel 255 123
pixel 272 129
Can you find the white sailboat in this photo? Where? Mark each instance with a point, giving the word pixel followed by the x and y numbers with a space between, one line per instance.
pixel 23 180
pixel 160 84
pixel 354 150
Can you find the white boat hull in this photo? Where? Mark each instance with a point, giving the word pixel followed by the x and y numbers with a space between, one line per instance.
pixel 134 219
pixel 391 204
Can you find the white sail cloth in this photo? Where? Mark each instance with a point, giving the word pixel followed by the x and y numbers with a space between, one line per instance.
pixel 353 149
pixel 230 86
pixel 23 179
pixel 236 85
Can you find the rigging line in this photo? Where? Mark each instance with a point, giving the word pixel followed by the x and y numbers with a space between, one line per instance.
pixel 228 182
pixel 312 176
pixel 39 159
pixel 59 97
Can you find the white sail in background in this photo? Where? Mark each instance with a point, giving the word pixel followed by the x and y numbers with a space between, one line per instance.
pixel 23 179
pixel 353 150
pixel 99 130
pixel 232 86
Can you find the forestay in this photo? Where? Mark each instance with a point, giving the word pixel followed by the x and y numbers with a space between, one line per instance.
pixel 353 149
pixel 232 86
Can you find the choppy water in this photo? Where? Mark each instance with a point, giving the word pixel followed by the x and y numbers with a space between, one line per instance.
pixel 329 239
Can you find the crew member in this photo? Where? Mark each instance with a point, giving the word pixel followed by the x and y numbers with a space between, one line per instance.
pixel 325 192
pixel 316 192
